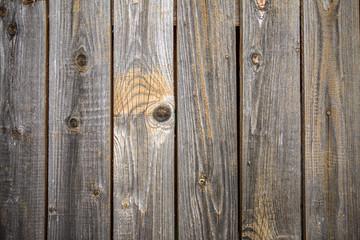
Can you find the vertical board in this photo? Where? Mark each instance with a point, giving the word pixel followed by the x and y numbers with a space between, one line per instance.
pixel 143 120
pixel 22 119
pixel 207 126
pixel 79 120
pixel 332 123
pixel 271 153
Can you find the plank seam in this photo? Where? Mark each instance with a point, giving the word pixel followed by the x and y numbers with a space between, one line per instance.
pixel 47 57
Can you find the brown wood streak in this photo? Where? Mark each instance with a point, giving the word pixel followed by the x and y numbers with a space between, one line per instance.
pixel 271 181
pixel 207 153
pixel 143 146
pixel 332 140
pixel 22 120
pixel 79 89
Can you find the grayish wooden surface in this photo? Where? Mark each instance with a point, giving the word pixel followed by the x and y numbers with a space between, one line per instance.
pixel 79 152
pixel 22 120
pixel 143 146
pixel 332 123
pixel 206 120
pixel 271 181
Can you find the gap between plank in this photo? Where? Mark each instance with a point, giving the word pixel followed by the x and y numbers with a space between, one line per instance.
pixel 302 137
pixel 47 55
pixel 111 164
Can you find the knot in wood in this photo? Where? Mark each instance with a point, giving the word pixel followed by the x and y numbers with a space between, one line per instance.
pixel 255 59
pixel 73 123
pixel 28 2
pixel 52 210
pixel 202 180
pixel 3 11
pixel 162 113
pixel 12 29
pixel 261 5
pixel 81 61
pixel 328 113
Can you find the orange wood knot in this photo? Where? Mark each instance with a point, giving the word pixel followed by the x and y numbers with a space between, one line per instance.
pixel 12 29
pixel 29 2
pixel 202 180
pixel 3 11
pixel 52 210
pixel 255 59
pixel 261 5
pixel 162 113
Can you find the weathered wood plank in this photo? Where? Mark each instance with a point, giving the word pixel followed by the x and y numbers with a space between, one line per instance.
pixel 237 13
pixel 22 120
pixel 271 154
pixel 206 120
pixel 143 120
pixel 79 120
pixel 332 125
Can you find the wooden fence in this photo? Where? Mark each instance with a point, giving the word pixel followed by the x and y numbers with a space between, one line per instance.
pixel 187 119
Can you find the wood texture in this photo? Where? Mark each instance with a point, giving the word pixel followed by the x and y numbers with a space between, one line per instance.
pixel 237 13
pixel 271 154
pixel 79 120
pixel 144 119
pixel 332 124
pixel 206 120
pixel 22 120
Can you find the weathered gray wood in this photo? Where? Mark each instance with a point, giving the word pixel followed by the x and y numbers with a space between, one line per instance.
pixel 332 123
pixel 271 154
pixel 79 120
pixel 143 132
pixel 22 120
pixel 237 13
pixel 206 120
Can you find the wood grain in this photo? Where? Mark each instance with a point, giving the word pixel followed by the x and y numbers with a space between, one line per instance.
pixel 79 120
pixel 236 18
pixel 144 119
pixel 22 120
pixel 271 136
pixel 332 125
pixel 206 120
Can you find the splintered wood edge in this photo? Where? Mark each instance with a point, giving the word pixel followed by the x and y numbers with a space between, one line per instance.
pixel 237 13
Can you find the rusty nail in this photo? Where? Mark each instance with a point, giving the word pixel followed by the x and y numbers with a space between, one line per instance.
pixel 125 205
pixel 12 29
pixel 3 11
pixel 227 56
pixel 162 113
pixel 328 113
pixel 261 4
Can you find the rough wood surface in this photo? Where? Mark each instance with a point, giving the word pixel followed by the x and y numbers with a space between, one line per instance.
pixel 271 155
pixel 22 120
pixel 332 123
pixel 206 120
pixel 236 12
pixel 144 119
pixel 79 120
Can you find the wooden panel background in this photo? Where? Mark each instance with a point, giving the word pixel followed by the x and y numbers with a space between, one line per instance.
pixel 179 119
pixel 332 123
pixel 271 130
pixel 207 127
pixel 144 118
pixel 22 120
pixel 79 120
